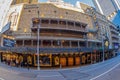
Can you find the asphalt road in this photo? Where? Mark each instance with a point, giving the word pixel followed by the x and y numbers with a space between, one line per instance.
pixel 107 70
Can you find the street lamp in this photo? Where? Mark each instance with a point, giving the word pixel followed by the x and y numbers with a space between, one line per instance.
pixel 38 38
pixel 103 46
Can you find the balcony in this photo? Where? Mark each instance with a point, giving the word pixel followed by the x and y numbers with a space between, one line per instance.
pixel 48 36
pixel 115 36
pixel 115 41
pixel 59 25
pixel 114 31
pixel 56 27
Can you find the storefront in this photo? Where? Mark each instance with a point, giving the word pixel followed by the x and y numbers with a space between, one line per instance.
pixel 44 59
pixel 55 59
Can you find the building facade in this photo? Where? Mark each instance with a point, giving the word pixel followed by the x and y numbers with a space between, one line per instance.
pixel 107 31
pixel 68 36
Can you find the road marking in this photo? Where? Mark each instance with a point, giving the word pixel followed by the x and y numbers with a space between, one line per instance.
pixel 105 72
pixel 2 79
pixel 51 76
pixel 93 68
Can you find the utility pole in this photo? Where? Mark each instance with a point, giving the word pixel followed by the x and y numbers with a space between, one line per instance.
pixel 38 38
pixel 103 46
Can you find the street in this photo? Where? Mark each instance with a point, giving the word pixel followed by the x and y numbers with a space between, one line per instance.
pixel 107 70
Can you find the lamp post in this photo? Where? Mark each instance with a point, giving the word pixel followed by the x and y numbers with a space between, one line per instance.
pixel 38 38
pixel 103 46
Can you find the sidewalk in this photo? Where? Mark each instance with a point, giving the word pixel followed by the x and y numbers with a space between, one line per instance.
pixel 23 69
pixel 78 73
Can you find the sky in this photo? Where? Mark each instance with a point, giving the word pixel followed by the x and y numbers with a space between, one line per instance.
pixel 89 2
pixel 74 1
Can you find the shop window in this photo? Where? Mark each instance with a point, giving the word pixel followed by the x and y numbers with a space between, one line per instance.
pixel 77 25
pixel 27 42
pixel 46 43
pixel 19 42
pixel 74 44
pixel 62 22
pixel 35 42
pixel 70 23
pixel 82 44
pixel 54 22
pixel 45 21
pixel 65 43
pixel 57 43
pixel 45 60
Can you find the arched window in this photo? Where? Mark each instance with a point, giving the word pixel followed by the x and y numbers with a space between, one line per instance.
pixel 13 18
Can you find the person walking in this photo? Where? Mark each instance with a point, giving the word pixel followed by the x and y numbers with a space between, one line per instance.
pixel 28 65
pixel 17 62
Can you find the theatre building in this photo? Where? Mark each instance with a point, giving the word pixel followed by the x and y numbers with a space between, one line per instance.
pixel 65 36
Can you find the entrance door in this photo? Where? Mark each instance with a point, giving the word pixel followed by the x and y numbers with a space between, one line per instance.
pixel 77 61
pixel 70 61
pixel 83 59
pixel 63 61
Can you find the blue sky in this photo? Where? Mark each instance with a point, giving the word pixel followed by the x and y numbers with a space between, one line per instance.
pixel 74 1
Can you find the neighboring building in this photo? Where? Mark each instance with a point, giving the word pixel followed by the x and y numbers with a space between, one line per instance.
pixel 109 8
pixel 4 7
pixel 114 35
pixel 68 35
pixel 106 7
pixel 24 1
pixel 104 28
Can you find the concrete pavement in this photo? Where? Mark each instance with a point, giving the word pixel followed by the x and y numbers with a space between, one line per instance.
pixel 89 72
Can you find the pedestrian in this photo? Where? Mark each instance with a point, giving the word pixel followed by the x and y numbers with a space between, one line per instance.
pixel 28 66
pixel 8 62
pixel 14 61
pixel 17 62
pixel 11 62
pixel 21 63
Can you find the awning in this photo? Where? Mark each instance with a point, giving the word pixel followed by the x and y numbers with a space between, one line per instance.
pixel 46 50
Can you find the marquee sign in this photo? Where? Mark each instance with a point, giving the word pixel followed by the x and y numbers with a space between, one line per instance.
pixel 31 6
pixel 8 42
